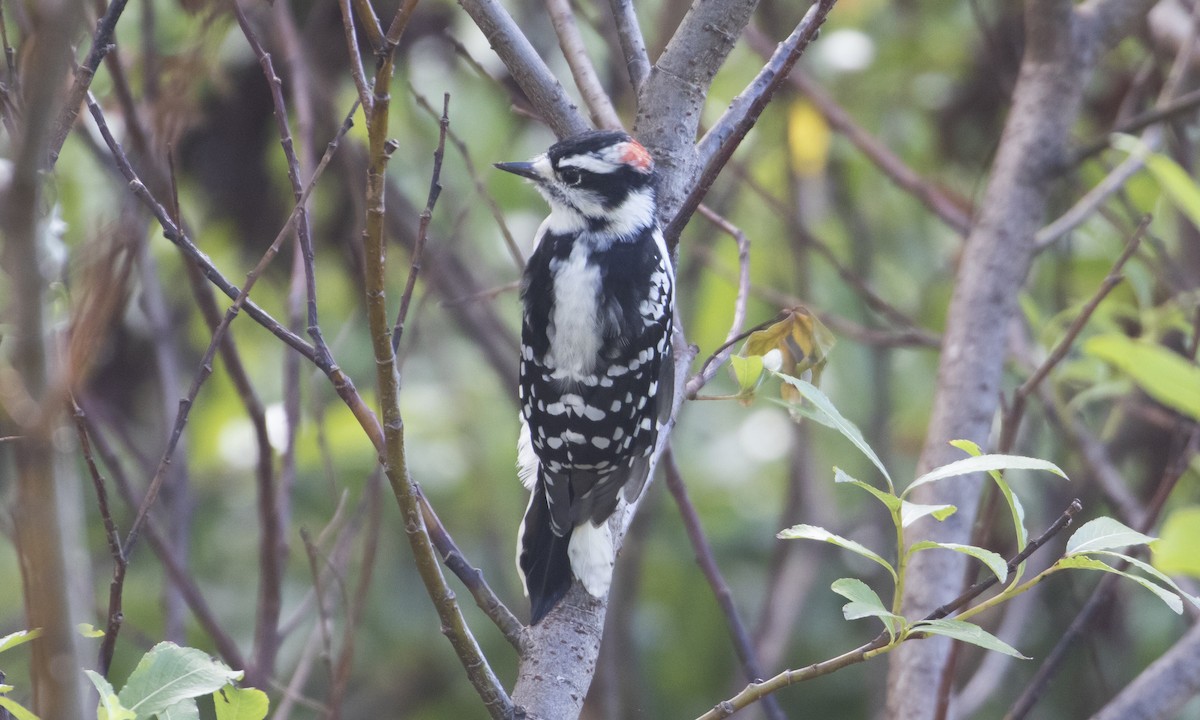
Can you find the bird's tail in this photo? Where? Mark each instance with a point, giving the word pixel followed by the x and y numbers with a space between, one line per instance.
pixel 542 556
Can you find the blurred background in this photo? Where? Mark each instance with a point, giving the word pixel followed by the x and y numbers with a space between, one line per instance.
pixel 926 83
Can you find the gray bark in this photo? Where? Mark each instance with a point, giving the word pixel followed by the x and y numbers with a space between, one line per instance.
pixel 1062 43
pixel 1163 687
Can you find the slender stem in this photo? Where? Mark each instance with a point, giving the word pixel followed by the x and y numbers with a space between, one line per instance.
pixel 435 189
pixel 882 643
pixel 1012 418
pixel 707 561
pixel 102 43
pixel 393 455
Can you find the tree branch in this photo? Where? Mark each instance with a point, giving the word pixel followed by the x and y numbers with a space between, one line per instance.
pixel 719 143
pixel 526 67
pixel 708 565
pixel 629 33
pixel 571 42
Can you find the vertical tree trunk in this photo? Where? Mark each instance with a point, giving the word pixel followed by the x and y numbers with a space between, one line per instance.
pixel 1062 42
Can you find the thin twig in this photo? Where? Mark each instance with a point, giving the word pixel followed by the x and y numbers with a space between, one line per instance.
pixel 719 144
pixel 707 561
pixel 599 106
pixel 115 616
pixel 477 180
pixel 366 15
pixel 224 643
pixel 527 68
pixel 938 202
pixel 710 365
pixel 1016 409
pixel 102 43
pixel 323 618
pixel 435 189
pixel 709 369
pixel 356 66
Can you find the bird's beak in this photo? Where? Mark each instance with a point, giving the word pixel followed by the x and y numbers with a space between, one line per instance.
pixel 524 169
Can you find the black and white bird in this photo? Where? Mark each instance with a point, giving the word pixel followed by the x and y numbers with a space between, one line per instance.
pixel 597 376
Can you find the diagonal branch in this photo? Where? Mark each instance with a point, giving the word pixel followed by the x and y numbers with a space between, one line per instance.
pixel 102 43
pixel 629 33
pixel 526 67
pixel 594 96
pixel 718 145
pixel 708 565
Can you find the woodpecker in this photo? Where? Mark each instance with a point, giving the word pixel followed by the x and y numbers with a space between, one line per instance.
pixel 597 376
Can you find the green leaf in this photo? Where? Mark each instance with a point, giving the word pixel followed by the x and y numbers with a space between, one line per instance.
pixel 911 512
pixel 182 710
pixel 17 710
pixel 969 633
pixel 241 704
pixel 5 688
pixel 812 532
pixel 20 637
pixel 1085 562
pixel 835 420
pixel 983 463
pixel 1175 182
pixel 110 707
pixel 168 674
pixel 89 630
pixel 1155 573
pixel 747 371
pixel 1104 533
pixel 888 499
pixel 864 602
pixel 1164 375
pixel 1175 552
pixel 994 562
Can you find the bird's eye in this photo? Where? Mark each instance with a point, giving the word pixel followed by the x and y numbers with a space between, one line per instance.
pixel 570 176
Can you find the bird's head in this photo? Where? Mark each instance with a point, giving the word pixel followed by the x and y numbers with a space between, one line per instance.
pixel 600 181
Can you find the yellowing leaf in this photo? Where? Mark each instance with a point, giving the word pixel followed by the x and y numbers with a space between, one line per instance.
pixel 808 139
pixel 803 344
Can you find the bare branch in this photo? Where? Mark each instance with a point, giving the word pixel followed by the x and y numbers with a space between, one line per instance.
pixel 1016 408
pixel 435 189
pixel 672 98
pixel 527 68
pixel 719 143
pixel 594 96
pixel 907 179
pixel 708 565
pixel 632 43
pixel 393 454
pixel 102 43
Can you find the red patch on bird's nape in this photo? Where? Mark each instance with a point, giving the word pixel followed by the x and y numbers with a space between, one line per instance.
pixel 636 156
